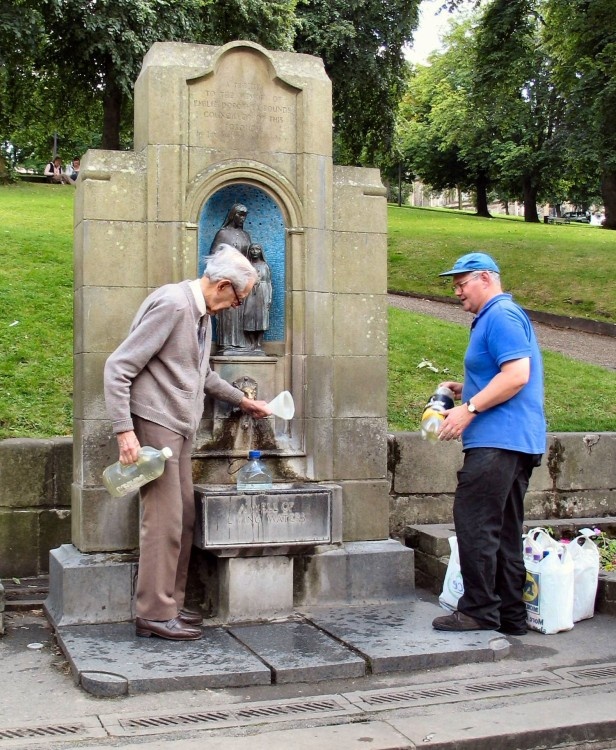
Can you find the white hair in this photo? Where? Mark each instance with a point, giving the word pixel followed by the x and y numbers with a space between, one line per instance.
pixel 228 263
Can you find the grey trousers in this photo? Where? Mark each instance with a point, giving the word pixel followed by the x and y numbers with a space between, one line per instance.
pixel 166 528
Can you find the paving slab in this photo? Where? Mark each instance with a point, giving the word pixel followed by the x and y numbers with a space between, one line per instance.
pixel 570 721
pixel 300 652
pixel 375 735
pixel 110 660
pixel 400 637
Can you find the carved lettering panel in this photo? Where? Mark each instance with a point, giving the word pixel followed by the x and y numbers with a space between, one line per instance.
pixel 229 519
pixel 241 106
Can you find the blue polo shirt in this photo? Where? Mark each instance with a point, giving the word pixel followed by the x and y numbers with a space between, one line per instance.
pixel 502 332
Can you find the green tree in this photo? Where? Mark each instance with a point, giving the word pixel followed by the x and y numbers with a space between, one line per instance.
pixel 582 38
pixel 86 63
pixel 495 115
pixel 361 43
pixel 433 155
pixel 515 85
pixel 444 125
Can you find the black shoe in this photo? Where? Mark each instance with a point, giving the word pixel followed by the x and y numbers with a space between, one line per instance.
pixel 508 628
pixel 172 630
pixel 459 622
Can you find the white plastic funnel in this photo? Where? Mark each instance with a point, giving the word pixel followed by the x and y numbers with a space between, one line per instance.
pixel 282 406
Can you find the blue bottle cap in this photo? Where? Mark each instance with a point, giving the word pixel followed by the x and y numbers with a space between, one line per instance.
pixel 254 454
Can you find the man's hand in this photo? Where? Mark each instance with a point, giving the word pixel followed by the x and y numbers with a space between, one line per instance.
pixel 456 421
pixel 453 386
pixel 256 409
pixel 129 447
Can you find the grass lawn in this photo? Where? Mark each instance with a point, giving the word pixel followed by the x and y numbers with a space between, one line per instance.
pixel 541 264
pixel 36 310
pixel 566 269
pixel 578 397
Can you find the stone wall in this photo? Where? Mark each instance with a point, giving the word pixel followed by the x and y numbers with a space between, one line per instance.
pixel 35 503
pixel 577 480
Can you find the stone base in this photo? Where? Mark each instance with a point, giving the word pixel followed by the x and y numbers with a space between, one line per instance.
pixel 89 588
pixel 98 588
pixel 254 588
pixel 357 572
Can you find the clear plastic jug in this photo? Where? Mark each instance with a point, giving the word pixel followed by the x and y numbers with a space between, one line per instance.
pixel 433 415
pixel 119 480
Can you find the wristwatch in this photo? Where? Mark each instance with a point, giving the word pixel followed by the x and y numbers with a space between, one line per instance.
pixel 471 407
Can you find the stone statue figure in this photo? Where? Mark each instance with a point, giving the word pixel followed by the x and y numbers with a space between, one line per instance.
pixel 229 323
pixel 257 304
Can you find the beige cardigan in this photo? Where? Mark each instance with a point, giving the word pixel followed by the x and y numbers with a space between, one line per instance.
pixel 156 374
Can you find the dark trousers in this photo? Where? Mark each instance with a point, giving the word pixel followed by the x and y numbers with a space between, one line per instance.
pixel 166 528
pixel 488 514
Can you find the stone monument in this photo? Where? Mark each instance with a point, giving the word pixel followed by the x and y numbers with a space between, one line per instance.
pixel 217 127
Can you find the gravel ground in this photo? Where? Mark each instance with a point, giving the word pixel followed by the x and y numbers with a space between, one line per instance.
pixel 586 347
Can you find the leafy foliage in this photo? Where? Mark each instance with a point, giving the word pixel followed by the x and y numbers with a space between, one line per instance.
pixel 582 40
pixel 361 43
pixel 83 57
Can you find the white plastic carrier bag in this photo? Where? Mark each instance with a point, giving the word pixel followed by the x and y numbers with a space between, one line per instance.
pixel 586 564
pixel 453 587
pixel 548 591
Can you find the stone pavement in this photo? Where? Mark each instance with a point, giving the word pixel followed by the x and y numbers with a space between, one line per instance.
pixel 534 691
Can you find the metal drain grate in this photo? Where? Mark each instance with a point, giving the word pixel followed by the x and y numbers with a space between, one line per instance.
pixel 408 695
pixel 463 690
pixel 590 675
pixel 228 716
pixel 522 682
pixel 57 730
pixel 89 727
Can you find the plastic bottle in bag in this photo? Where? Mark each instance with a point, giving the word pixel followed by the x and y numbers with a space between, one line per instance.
pixel 121 479
pixel 254 476
pixel 433 414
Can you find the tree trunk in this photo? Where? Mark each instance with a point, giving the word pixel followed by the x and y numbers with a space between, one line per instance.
pixel 112 112
pixel 608 191
pixel 5 177
pixel 530 201
pixel 481 188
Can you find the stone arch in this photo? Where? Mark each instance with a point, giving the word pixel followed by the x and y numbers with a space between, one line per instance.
pixel 281 193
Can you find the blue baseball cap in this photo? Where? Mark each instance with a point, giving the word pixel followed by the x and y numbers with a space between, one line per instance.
pixel 472 262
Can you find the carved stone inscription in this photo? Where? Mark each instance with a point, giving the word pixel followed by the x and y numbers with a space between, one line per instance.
pixel 283 517
pixel 240 106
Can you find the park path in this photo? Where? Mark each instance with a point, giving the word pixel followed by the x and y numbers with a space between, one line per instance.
pixel 586 347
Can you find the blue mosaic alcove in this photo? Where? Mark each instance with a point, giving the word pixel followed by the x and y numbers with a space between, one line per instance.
pixel 264 223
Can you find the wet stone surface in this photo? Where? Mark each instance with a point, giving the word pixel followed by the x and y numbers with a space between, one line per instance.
pixel 155 664
pixel 400 637
pixel 299 652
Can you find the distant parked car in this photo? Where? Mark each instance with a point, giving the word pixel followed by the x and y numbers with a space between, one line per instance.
pixel 581 216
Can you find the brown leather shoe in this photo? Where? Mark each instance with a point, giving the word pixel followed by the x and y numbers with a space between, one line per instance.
pixel 172 630
pixel 190 617
pixel 458 622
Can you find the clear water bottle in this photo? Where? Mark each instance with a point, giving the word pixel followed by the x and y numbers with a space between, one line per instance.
pixel 433 414
pixel 119 480
pixel 254 476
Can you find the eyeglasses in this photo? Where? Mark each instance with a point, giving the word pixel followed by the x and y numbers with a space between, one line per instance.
pixel 461 284
pixel 239 301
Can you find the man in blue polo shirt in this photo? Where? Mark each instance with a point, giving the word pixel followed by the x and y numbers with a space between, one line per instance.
pixel 502 426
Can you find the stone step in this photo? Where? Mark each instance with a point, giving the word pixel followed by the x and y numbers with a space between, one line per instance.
pixel 431 547
pixel 22 594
